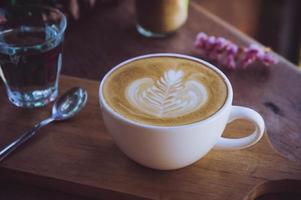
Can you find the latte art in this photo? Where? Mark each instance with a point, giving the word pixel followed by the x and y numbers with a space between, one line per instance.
pixel 164 91
pixel 169 96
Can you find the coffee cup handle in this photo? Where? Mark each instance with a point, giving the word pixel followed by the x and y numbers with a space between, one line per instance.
pixel 239 112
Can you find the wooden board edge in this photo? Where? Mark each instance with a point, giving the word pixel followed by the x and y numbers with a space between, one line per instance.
pixel 64 186
pixel 277 152
pixel 292 186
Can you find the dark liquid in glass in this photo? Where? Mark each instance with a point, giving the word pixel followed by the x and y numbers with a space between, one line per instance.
pixel 30 59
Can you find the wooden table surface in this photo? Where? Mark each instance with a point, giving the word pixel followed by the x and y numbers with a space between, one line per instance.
pixel 79 156
pixel 107 37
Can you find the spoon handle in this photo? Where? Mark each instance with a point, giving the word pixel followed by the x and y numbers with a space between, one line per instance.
pixel 22 139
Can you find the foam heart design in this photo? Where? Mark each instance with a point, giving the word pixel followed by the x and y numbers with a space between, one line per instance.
pixel 169 96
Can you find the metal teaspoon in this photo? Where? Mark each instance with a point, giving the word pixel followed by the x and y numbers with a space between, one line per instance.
pixel 65 107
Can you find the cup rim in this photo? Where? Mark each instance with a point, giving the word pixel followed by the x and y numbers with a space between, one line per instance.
pixel 227 103
pixel 63 22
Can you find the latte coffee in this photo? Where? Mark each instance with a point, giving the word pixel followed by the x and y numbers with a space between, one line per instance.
pixel 165 91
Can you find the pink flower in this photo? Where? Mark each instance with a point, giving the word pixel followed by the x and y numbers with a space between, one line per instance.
pixel 269 59
pixel 231 49
pixel 230 55
pixel 200 40
pixel 231 62
pixel 221 43
pixel 209 43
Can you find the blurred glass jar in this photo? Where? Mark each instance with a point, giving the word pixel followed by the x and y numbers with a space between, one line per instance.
pixel 158 18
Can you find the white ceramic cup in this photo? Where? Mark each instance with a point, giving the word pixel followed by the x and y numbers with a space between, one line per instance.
pixel 173 147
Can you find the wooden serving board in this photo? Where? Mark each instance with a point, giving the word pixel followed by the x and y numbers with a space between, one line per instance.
pixel 79 156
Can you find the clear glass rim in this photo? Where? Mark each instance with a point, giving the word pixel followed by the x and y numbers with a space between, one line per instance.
pixel 63 23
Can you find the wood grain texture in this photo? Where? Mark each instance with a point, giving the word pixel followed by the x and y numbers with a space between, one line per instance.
pixel 108 37
pixel 79 156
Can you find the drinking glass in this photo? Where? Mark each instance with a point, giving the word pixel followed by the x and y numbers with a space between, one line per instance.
pixel 159 18
pixel 31 40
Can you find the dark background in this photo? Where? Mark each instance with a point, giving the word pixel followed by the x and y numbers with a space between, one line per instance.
pixel 274 23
